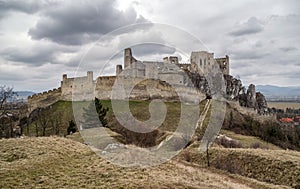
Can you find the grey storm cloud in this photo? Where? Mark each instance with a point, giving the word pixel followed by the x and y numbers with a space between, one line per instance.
pixel 42 39
pixel 81 22
pixel 35 58
pixel 36 55
pixel 8 76
pixel 288 49
pixel 252 26
pixel 28 6
pixel 150 49
pixel 249 55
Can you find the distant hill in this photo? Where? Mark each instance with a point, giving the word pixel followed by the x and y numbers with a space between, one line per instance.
pixel 22 95
pixel 275 93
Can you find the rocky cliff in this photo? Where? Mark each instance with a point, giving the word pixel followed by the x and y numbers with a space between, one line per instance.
pixel 234 91
pixel 234 87
pixel 251 99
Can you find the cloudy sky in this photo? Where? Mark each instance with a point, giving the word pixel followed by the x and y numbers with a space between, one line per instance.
pixel 42 39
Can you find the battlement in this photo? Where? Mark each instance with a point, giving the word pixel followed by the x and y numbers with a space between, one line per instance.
pixel 107 78
pixel 44 99
pixel 77 85
pixel 86 88
pixel 45 93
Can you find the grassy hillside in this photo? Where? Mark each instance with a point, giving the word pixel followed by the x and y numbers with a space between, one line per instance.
pixel 61 113
pixel 249 141
pixel 55 162
pixel 52 161
pixel 246 122
pixel 272 166
pixel 63 110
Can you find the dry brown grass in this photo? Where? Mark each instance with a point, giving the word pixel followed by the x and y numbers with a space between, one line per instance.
pixel 280 167
pixel 53 162
pixel 284 105
pixel 249 141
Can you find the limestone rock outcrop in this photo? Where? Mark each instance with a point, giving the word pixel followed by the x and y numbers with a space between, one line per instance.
pixel 251 97
pixel 234 87
pixel 234 91
pixel 262 105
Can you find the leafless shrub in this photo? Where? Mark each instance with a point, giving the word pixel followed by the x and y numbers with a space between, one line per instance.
pixel 228 143
pixel 224 164
pixel 255 145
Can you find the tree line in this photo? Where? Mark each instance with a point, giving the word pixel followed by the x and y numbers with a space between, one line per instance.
pixel 15 122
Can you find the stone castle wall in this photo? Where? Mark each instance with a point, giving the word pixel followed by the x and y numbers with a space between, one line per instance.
pixel 104 86
pixel 44 99
pixel 79 87
pixel 224 64
pixel 143 89
pixel 157 89
pixel 158 80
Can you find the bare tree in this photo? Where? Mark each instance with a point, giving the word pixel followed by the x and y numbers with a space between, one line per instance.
pixel 36 129
pixel 5 94
pixel 43 120
pixel 23 118
pixel 55 122
pixel 7 117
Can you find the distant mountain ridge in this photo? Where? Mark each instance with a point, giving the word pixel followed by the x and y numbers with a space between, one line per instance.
pixel 22 95
pixel 276 93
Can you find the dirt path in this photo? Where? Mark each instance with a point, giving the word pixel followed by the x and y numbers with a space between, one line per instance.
pixel 203 114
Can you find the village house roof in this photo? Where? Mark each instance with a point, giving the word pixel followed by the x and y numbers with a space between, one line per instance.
pixel 287 120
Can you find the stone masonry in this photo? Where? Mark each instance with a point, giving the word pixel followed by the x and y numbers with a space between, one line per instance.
pixel 158 81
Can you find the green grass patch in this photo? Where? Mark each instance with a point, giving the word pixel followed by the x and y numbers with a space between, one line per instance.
pixel 249 141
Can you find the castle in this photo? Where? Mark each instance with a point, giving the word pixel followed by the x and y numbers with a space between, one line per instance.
pixel 201 62
pixel 158 75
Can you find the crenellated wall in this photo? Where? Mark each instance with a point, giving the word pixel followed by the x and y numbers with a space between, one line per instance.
pixel 79 88
pixel 160 79
pixel 44 99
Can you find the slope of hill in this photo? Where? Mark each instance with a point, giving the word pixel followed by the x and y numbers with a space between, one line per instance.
pixel 237 119
pixel 272 166
pixel 249 141
pixel 73 163
pixel 54 162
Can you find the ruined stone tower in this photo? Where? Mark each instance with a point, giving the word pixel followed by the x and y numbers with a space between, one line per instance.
pixel 128 58
pixel 119 70
pixel 204 61
pixel 224 64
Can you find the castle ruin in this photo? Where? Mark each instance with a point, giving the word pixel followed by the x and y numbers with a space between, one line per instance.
pixel 201 62
pixel 157 74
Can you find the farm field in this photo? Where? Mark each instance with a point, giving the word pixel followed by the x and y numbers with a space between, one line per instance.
pixel 284 105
